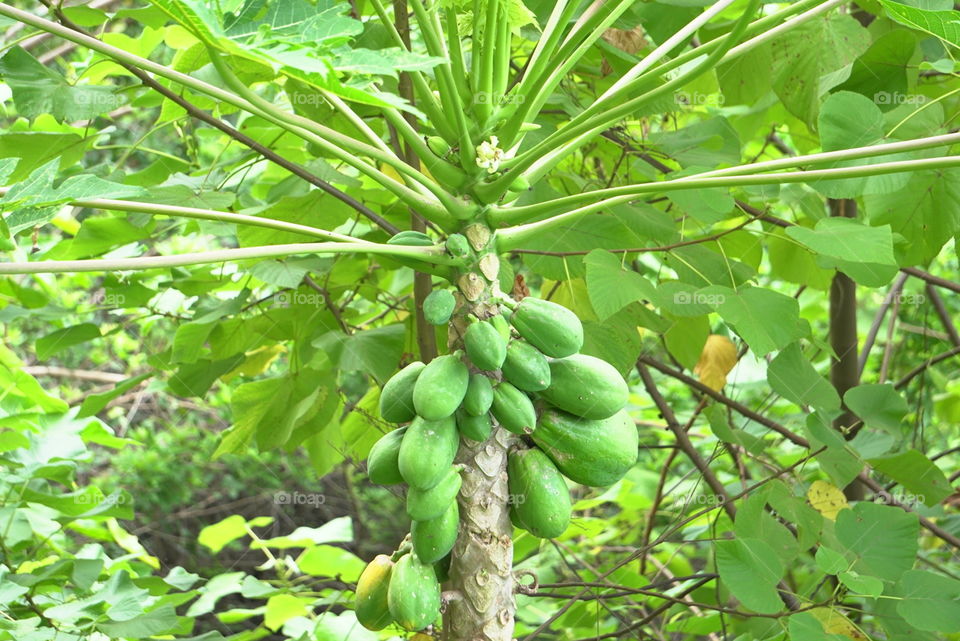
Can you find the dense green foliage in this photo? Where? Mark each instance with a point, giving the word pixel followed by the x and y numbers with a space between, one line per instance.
pixel 212 218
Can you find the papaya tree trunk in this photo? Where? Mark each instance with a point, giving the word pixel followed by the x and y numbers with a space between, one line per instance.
pixel 481 571
pixel 481 582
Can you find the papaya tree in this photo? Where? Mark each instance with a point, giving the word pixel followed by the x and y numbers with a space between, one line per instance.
pixel 365 190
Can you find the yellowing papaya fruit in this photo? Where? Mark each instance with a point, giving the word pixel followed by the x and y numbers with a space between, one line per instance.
pixel 440 388
pixel 475 428
pixel 413 596
pixel 593 452
pixel 382 462
pixel 586 386
pixel 424 505
pixel 526 367
pixel 433 539
pixel 551 328
pixel 427 451
pixel 438 306
pixel 513 409
pixel 371 607
pixel 479 395
pixel 538 493
pixel 396 398
pixel 485 346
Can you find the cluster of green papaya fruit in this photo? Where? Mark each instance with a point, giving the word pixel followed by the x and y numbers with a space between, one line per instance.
pixel 522 370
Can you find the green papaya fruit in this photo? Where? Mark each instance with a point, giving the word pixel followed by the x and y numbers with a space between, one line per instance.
pixel 502 325
pixel 414 593
pixel 423 505
pixel 438 306
pixel 440 388
pixel 475 428
pixel 427 451
pixel 433 539
pixel 408 237
pixel 586 386
pixel 458 246
pixel 485 346
pixel 513 409
pixel 551 328
pixel 371 607
pixel 593 452
pixel 479 395
pixel 538 493
pixel 438 145
pixel 396 398
pixel 515 519
pixel 442 568
pixel 526 367
pixel 382 462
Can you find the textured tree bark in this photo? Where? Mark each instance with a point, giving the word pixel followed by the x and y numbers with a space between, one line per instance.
pixel 482 568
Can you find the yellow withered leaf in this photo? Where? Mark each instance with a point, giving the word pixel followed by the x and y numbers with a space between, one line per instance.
pixel 827 499
pixel 257 361
pixel 834 622
pixel 718 357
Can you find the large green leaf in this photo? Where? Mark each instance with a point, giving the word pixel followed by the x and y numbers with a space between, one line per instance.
pixel 926 212
pixel 766 319
pixel 878 405
pixel 883 538
pixel 611 285
pixel 917 474
pixel 803 56
pixel 38 90
pixel 751 570
pixel 930 601
pixel 862 252
pixel 793 376
pixel 942 24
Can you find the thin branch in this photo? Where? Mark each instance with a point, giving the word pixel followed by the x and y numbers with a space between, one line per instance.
pixel 868 342
pixel 924 366
pixel 684 442
pixel 726 400
pixel 933 280
pixel 944 315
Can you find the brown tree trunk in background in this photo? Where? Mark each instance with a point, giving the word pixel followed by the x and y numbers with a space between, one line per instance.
pixel 844 369
pixel 422 283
